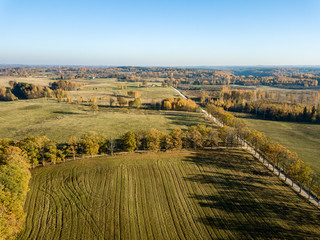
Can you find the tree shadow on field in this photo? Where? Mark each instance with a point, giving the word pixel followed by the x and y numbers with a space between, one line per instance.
pixel 243 197
pixel 183 119
pixel 68 113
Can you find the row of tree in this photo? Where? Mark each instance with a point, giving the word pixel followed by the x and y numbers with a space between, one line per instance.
pixel 273 111
pixel 286 161
pixel 42 150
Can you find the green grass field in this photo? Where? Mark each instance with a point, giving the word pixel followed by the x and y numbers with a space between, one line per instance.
pixel 218 194
pixel 302 138
pixel 102 88
pixel 59 121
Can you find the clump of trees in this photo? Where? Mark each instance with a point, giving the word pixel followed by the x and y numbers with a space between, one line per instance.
pixel 179 104
pixel 29 91
pixel 6 94
pixel 21 90
pixel 65 85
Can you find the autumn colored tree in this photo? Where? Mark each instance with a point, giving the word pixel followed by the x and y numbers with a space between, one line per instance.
pixel 122 101
pixel 42 143
pixel 141 139
pixel 7 95
pixel 193 138
pixel 153 139
pixel 89 144
pixel 212 138
pixel 31 148
pixel 73 146
pixel 167 105
pixel 176 138
pixel 227 135
pixel 128 141
pixel 14 180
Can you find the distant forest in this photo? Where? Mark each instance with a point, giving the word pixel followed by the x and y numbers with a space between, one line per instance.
pixel 296 78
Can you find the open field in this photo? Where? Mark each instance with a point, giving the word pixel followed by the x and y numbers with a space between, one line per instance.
pixel 59 121
pixel 108 87
pixel 42 81
pixel 302 138
pixel 101 88
pixel 217 194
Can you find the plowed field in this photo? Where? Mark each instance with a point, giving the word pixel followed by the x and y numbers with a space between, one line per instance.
pixel 218 194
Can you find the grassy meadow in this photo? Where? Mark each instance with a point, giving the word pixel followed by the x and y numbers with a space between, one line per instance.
pixel 217 194
pixel 41 80
pixel 302 138
pixel 59 121
pixel 103 88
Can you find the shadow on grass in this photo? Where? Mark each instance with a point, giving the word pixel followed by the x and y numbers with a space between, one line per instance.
pixel 184 119
pixel 246 199
pixel 68 113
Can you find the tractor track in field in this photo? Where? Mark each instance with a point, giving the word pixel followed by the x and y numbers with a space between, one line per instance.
pixel 187 195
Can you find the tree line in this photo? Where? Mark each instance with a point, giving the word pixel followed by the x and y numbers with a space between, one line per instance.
pixel 274 111
pixel 14 180
pixel 264 105
pixel 286 161
pixel 278 77
pixel 22 90
pixel 42 150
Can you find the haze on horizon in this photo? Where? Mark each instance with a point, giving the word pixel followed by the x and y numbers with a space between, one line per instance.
pixel 162 33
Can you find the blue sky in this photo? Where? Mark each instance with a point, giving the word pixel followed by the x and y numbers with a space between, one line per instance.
pixel 160 33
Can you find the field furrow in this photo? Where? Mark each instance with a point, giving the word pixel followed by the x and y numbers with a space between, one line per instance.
pixel 216 194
